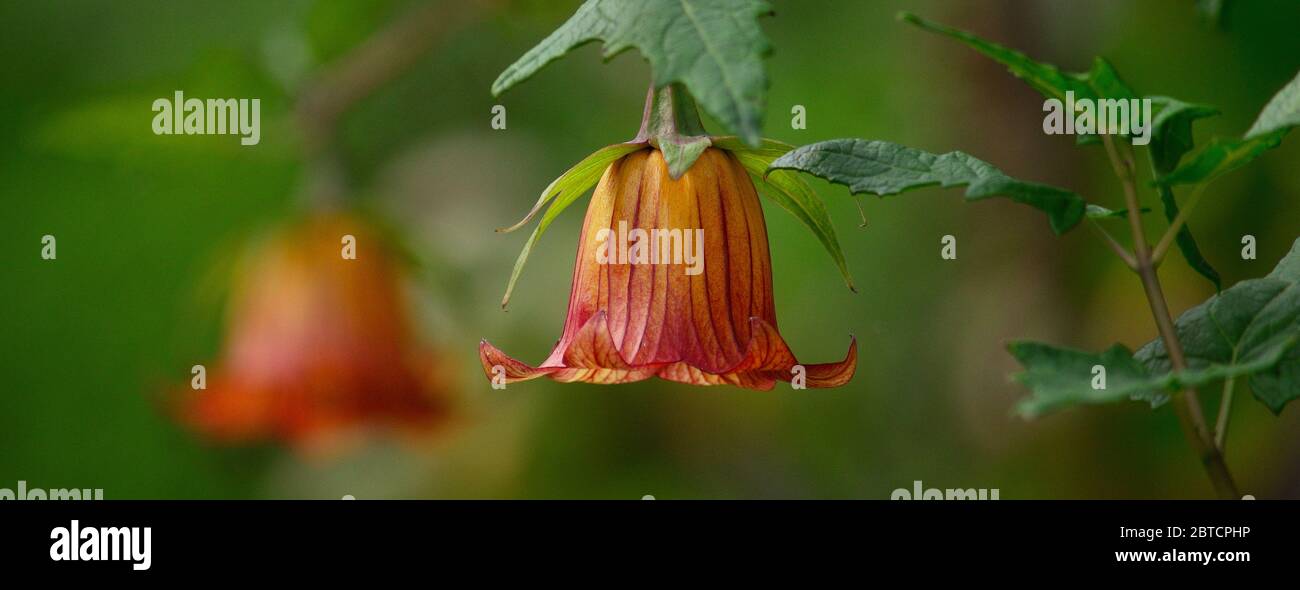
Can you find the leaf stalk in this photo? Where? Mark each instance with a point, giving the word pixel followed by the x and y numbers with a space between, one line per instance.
pixel 1115 246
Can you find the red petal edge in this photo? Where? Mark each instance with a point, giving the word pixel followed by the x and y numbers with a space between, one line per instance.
pixel 593 357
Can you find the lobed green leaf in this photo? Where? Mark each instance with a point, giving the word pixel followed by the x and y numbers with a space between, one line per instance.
pixel 883 168
pixel 1062 377
pixel 1250 329
pixel 1171 126
pixel 714 47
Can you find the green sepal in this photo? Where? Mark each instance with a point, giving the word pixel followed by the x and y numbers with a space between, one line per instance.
pixel 561 193
pixel 790 192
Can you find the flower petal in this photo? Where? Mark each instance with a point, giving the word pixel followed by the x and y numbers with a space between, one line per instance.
pixel 593 348
pixel 515 371
pixel 834 374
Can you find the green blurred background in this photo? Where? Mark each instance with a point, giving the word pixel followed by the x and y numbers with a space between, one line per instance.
pixel 90 343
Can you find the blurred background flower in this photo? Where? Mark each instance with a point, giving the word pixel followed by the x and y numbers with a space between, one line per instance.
pixel 319 346
pixel 87 339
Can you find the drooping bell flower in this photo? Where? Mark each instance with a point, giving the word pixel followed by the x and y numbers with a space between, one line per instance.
pixel 318 345
pixel 673 277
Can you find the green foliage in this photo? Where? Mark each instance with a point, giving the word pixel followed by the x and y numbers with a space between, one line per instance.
pixel 1225 155
pixel 1171 138
pixel 563 191
pixel 883 168
pixel 1047 79
pixel 1101 81
pixel 1061 377
pixel 1281 113
pixel 789 191
pixel 1249 330
pixel 714 48
pixel 1171 135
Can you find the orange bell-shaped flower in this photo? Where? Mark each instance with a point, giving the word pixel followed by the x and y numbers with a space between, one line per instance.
pixel 318 345
pixel 673 279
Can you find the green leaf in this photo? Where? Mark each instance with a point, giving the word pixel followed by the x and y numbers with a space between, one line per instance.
pixel 1288 269
pixel 1104 81
pixel 564 191
pixel 1282 111
pixel 1225 155
pixel 1061 377
pixel 1250 329
pixel 1171 130
pixel 883 168
pixel 791 192
pixel 714 47
pixel 1171 138
pixel 1047 79
pixel 1101 81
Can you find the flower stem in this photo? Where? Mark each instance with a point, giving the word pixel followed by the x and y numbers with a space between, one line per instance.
pixel 671 123
pixel 1187 404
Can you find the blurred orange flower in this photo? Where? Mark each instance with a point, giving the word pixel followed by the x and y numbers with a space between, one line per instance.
pixel 318 345
pixel 628 322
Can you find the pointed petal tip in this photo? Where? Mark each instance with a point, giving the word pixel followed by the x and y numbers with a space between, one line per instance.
pixel 829 375
pixel 514 371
